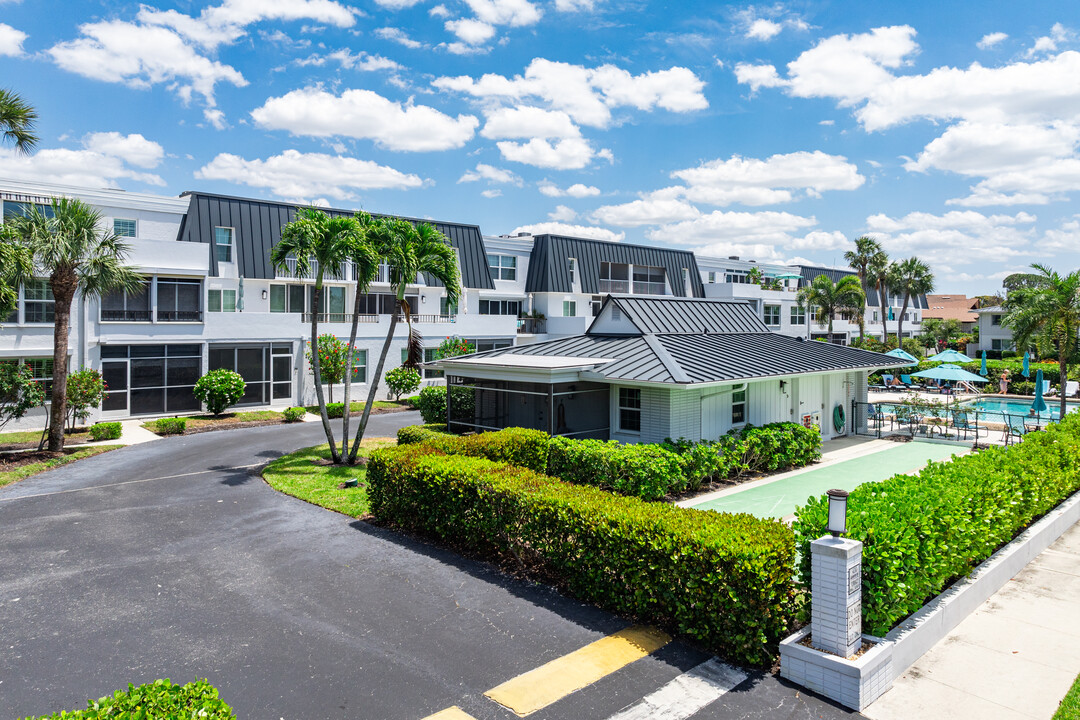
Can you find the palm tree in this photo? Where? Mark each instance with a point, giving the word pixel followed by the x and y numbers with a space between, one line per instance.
pixel 408 250
pixel 317 242
pixel 17 120
pixel 830 298
pixel 365 262
pixel 912 277
pixel 867 251
pixel 69 244
pixel 879 274
pixel 1046 306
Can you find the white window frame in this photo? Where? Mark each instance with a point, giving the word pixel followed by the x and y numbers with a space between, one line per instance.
pixel 573 271
pixel 25 302
pixel 231 244
pixel 221 295
pixel 798 315
pixel 765 315
pixel 619 408
pixel 569 308
pixel 134 227
pixel 736 390
pixel 500 269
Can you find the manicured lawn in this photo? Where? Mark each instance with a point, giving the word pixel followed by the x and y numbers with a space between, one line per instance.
pixel 195 422
pixel 18 472
pixel 1070 705
pixel 28 438
pixel 295 474
pixel 358 406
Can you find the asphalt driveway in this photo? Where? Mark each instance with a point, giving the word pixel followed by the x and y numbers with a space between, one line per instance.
pixel 173 559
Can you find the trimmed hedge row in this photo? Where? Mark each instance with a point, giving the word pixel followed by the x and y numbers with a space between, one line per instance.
pixel 724 580
pixel 648 472
pixel 105 431
pixel 920 532
pixel 160 699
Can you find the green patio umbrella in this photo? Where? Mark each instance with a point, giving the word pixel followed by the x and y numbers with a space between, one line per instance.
pixel 1026 372
pixel 1039 406
pixel 982 369
pixel 903 355
pixel 951 373
pixel 949 356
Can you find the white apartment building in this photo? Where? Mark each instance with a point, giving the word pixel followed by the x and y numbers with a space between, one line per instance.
pixel 993 335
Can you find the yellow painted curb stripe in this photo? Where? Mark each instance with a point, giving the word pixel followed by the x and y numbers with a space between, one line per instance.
pixel 539 688
pixel 451 713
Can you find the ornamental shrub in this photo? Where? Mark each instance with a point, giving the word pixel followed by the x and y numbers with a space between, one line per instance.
pixel 219 390
pixel 19 392
pixel 402 381
pixel 170 426
pixel 419 433
pixel 294 414
pixel 85 390
pixel 160 699
pixel 646 471
pixel 516 446
pixel 432 404
pixel 768 448
pixel 724 580
pixel 335 410
pixel 920 532
pixel 105 431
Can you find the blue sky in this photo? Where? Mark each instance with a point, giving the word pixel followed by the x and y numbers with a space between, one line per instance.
pixel 772 131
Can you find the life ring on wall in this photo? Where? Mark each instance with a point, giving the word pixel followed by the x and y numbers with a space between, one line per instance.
pixel 838 419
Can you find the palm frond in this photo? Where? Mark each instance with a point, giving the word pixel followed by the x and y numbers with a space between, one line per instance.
pixel 18 120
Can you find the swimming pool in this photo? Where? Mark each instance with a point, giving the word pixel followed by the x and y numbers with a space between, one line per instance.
pixel 1012 406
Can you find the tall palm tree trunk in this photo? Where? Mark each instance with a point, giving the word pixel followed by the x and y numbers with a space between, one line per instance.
pixel 375 382
pixel 346 456
pixel 315 370
pixel 64 285
pixel 884 315
pixel 900 322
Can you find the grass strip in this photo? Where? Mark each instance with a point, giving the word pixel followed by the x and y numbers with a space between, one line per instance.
pixel 1070 704
pixel 24 471
pixel 302 475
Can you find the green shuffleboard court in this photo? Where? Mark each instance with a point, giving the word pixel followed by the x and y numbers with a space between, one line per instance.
pixel 780 498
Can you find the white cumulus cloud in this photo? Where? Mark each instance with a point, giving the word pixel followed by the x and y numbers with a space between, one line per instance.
pixel 991 39
pixel 134 148
pixel 528 122
pixel 295 175
pixel 11 41
pixel 368 115
pixel 566 154
pixel 647 211
pixel 577 190
pixel 104 159
pixel 491 174
pixel 559 228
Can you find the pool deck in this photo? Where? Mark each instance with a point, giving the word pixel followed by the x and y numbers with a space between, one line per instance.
pixel 846 463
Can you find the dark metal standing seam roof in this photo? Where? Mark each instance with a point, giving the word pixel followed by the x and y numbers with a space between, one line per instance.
pixel 835 274
pixel 549 269
pixel 688 315
pixel 683 358
pixel 257 228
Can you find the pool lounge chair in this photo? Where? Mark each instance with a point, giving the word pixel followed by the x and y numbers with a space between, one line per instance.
pixel 906 379
pixel 1047 390
pixel 887 379
pixel 1072 387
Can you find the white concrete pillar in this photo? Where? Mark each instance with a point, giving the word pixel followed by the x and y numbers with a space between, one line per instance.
pixel 836 587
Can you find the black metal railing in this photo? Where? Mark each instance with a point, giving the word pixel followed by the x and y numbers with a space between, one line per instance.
pixel 532 326
pixel 179 315
pixel 947 422
pixel 125 315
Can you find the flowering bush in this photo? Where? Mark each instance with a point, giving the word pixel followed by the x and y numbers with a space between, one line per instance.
pixel 452 347
pixel 333 360
pixel 219 389
pixel 19 392
pixel 402 381
pixel 85 389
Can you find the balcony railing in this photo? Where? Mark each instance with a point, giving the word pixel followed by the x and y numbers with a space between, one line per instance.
pixel 179 315
pixel 434 318
pixel 341 272
pixel 649 288
pixel 125 315
pixel 615 286
pixel 341 318
pixel 532 326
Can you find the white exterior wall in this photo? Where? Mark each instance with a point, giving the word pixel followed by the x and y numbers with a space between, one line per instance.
pixel 988 332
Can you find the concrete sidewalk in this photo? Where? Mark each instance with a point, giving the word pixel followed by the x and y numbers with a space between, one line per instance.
pixel 1015 657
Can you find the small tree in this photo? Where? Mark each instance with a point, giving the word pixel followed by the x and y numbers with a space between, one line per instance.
pixel 402 381
pixel 85 391
pixel 333 361
pixel 219 390
pixel 19 392
pixel 453 347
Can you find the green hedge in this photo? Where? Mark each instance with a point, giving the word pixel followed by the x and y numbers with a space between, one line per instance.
pixel 646 471
pixel 160 699
pixel 419 433
pixel 335 410
pixel 766 448
pixel 170 426
pixel 920 532
pixel 105 431
pixel 294 414
pixel 723 580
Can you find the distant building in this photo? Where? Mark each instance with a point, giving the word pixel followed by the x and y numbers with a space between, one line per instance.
pixel 953 307
pixel 993 335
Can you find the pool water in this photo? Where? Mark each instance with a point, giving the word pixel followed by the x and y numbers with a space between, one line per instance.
pixel 1007 406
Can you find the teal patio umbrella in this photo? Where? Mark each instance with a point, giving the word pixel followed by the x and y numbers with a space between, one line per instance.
pixel 951 373
pixel 1026 372
pixel 1039 406
pixel 982 369
pixel 903 355
pixel 949 356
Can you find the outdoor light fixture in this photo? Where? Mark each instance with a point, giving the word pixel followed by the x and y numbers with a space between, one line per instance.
pixel 783 384
pixel 837 512
pixel 264 294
